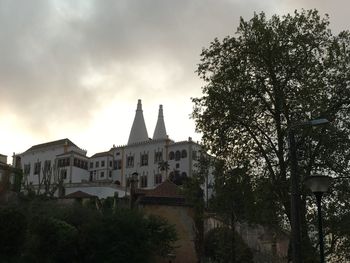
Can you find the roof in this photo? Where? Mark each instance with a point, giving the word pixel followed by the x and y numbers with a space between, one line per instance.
pixel 101 154
pixel 61 142
pixel 160 131
pixel 167 193
pixel 72 152
pixel 138 131
pixel 79 194
pixel 165 189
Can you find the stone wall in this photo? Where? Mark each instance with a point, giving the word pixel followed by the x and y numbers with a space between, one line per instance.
pixel 181 217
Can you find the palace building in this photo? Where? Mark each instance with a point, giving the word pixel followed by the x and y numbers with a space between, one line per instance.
pixel 152 160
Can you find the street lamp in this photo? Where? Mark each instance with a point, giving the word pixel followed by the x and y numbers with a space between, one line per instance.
pixel 295 193
pixel 133 181
pixel 319 185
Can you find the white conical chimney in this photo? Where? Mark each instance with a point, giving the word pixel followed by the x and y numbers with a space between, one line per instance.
pixel 138 131
pixel 160 131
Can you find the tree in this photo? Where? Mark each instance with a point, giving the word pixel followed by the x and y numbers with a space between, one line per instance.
pixel 50 240
pixel 218 249
pixel 233 201
pixel 272 75
pixel 44 230
pixel 192 188
pixel 12 231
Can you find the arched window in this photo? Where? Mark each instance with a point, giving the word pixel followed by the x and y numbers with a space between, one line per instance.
pixel 171 155
pixel 177 155
pixel 183 154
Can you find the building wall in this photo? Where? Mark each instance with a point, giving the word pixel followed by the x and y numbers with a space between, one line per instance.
pixel 3 159
pixel 182 218
pixel 182 158
pixel 182 165
pixel 101 168
pixel 52 154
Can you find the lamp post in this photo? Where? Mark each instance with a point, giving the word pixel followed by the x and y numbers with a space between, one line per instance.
pixel 133 180
pixel 295 193
pixel 319 185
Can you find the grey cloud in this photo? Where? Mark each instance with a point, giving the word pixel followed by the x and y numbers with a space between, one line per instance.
pixel 47 47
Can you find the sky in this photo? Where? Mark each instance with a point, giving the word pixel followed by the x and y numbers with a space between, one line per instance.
pixel 75 69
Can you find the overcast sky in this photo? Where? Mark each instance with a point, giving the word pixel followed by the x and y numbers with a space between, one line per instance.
pixel 75 69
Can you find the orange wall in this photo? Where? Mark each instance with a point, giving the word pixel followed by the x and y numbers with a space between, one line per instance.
pixel 181 217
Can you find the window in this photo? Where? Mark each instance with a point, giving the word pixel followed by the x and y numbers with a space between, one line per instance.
pixel 37 167
pixel 102 163
pixel 26 169
pixel 91 165
pixel 97 164
pixel 177 165
pixel 91 176
pixel 171 155
pixel 177 155
pixel 64 174
pixel 183 154
pixel 117 164
pixel 157 179
pixel 194 155
pixel 158 157
pixel 47 165
pixel 110 174
pixel 64 162
pixel 130 161
pixel 144 159
pixel 128 182
pixel 80 163
pixel 102 174
pixel 110 163
pixel 144 181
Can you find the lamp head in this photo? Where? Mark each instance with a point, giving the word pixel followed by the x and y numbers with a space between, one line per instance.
pixel 318 183
pixel 317 122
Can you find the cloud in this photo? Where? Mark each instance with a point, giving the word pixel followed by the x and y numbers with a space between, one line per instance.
pixel 63 62
pixel 337 10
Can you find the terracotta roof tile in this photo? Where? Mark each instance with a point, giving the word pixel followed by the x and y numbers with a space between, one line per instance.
pixel 165 189
pixel 53 143
pixel 101 154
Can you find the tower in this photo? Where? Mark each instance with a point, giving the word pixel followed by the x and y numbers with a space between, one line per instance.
pixel 160 131
pixel 138 131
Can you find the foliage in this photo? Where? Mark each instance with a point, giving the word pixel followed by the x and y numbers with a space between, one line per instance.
pixel 50 240
pixel 233 195
pixel 13 227
pixel 17 180
pixel 43 230
pixel 193 191
pixel 274 74
pixel 162 236
pixel 218 249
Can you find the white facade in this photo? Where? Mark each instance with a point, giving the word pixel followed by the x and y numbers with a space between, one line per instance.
pixel 53 160
pixel 101 167
pixel 153 160
pixel 146 159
